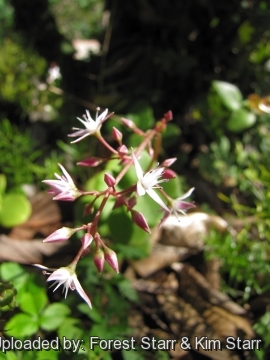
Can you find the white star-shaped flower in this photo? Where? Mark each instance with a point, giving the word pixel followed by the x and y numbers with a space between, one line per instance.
pixel 91 126
pixel 67 277
pixel 64 188
pixel 178 205
pixel 148 181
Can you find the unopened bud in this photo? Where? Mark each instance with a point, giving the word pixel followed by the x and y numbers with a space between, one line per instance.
pixel 122 150
pixel 99 259
pixel 91 162
pixel 168 174
pixel 168 162
pixel 139 220
pixel 111 258
pixel 168 115
pixel 60 235
pixel 117 135
pixel 87 240
pixel 109 180
pixel 128 123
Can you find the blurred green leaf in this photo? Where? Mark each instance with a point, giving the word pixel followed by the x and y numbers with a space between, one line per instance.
pixel 240 120
pixel 3 183
pixel 142 114
pixel 70 328
pixel 45 355
pixel 229 94
pixel 171 135
pixel 15 210
pixel 15 273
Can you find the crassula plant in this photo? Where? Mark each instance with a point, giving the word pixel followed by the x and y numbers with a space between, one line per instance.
pixel 148 184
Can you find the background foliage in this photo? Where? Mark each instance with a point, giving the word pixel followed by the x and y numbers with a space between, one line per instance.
pixel 208 62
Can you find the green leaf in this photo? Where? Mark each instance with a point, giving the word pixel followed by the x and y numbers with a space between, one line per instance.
pixel 70 328
pixel 127 290
pixel 229 94
pixel 53 316
pixel 15 210
pixel 91 313
pixel 15 273
pixel 240 120
pixel 27 304
pixel 142 114
pixel 174 187
pixel 45 355
pixel 132 355
pixel 40 296
pixel 3 183
pixel 9 355
pixel 171 135
pixel 33 303
pixel 121 234
pixel 21 326
pixel 245 32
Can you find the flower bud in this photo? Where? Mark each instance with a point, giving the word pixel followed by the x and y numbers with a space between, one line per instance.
pixel 91 162
pixel 109 180
pixel 168 162
pixel 99 259
pixel 117 135
pixel 139 220
pixel 60 235
pixel 168 174
pixel 122 150
pixel 128 123
pixel 111 258
pixel 168 116
pixel 87 240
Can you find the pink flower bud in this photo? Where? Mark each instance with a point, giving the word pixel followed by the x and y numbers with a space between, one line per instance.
pixel 60 235
pixel 109 180
pixel 168 174
pixel 168 162
pixel 128 123
pixel 122 150
pixel 99 259
pixel 168 115
pixel 111 258
pixel 117 135
pixel 91 162
pixel 87 240
pixel 139 220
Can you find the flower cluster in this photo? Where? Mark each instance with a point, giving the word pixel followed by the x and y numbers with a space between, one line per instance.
pixel 148 183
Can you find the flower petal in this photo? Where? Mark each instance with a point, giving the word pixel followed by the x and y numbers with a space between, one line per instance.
pixel 82 292
pixel 157 199
pixel 137 165
pixel 140 189
pixel 187 194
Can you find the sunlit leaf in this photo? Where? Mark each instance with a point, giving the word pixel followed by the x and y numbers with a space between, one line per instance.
pixel 240 120
pixel 15 210
pixel 229 94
